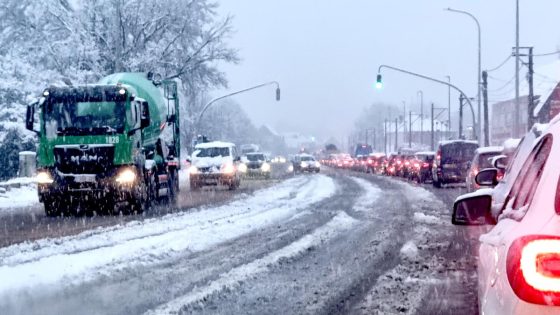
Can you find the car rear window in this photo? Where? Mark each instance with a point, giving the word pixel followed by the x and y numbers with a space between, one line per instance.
pixel 459 151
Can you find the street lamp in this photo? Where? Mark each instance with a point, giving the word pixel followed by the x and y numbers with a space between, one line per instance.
pixel 449 102
pixel 239 92
pixel 478 75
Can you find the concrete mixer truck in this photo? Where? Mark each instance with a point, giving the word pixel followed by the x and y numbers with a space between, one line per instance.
pixel 110 147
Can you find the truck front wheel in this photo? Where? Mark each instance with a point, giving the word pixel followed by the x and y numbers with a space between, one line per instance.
pixel 52 208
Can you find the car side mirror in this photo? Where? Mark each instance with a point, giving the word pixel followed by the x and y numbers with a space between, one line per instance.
pixel 472 209
pixel 500 162
pixel 487 177
pixel 145 117
pixel 30 118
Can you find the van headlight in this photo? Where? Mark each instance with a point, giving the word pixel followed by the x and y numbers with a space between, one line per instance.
pixel 265 167
pixel 228 168
pixel 126 176
pixel 44 178
pixel 242 168
pixel 304 164
pixel 317 164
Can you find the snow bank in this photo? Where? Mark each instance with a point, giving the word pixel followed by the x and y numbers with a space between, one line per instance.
pixel 89 255
pixel 426 218
pixel 17 194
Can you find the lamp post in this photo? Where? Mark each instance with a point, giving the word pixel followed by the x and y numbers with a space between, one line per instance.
pixel 478 74
pixel 239 92
pixel 448 103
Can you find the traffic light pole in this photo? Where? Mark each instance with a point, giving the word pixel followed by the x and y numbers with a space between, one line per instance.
pixel 426 78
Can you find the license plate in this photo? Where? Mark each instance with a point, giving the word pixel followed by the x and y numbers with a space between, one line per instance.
pixel 84 179
pixel 449 166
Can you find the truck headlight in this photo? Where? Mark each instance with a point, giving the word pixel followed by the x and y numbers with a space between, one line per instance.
pixel 126 176
pixel 44 178
pixel 304 164
pixel 317 164
pixel 290 168
pixel 242 168
pixel 265 167
pixel 193 170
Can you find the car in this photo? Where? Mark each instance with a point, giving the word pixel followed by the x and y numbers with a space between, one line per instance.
pixel 482 160
pixel 407 165
pixel 375 162
pixel 421 170
pixel 215 163
pixel 518 258
pixel 306 163
pixel 256 165
pixel 360 164
pixel 452 161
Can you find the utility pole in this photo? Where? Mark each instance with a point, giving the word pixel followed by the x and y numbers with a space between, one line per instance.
pixel 514 133
pixel 461 98
pixel 410 129
pixel 485 98
pixel 396 134
pixel 374 140
pixel 531 104
pixel 366 136
pixel 449 102
pixel 385 133
pixel 432 133
pixel 422 116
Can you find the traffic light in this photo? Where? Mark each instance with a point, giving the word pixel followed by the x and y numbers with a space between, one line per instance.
pixel 379 83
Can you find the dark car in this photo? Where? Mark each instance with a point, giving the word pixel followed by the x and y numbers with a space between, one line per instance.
pixel 257 165
pixel 407 164
pixel 421 170
pixel 394 165
pixel 452 161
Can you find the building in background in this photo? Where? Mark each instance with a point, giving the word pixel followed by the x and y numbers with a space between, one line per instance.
pixel 546 91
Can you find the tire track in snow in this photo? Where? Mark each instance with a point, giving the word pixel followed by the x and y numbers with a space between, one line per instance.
pixel 84 257
pixel 369 197
pixel 340 223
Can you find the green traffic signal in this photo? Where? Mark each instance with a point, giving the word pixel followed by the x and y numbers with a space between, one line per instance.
pixel 379 83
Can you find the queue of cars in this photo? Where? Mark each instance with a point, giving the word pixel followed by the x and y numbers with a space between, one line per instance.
pixel 218 163
pixel 519 258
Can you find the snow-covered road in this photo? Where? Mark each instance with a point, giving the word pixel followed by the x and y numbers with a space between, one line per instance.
pixel 309 244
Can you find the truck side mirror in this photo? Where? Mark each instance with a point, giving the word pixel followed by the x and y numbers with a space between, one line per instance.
pixel 145 117
pixel 30 119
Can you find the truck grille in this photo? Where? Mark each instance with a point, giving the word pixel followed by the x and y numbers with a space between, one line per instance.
pixel 84 159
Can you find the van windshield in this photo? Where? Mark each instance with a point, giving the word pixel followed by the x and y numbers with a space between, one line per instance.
pixel 211 152
pixel 459 151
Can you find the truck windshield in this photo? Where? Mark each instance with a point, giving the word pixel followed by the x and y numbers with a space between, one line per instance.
pixel 71 116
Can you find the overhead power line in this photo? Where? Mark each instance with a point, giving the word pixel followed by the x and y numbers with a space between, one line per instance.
pixel 500 65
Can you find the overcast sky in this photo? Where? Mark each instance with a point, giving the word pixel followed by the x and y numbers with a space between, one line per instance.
pixel 325 54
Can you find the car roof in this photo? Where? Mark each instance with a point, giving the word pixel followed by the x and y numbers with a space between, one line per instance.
pixel 493 149
pixel 214 144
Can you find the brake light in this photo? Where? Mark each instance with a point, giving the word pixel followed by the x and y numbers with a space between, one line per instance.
pixel 407 163
pixel 474 172
pixel 369 161
pixel 533 269
pixel 417 165
pixel 398 161
pixel 425 165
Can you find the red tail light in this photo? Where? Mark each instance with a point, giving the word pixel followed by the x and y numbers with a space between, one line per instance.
pixel 474 172
pixel 407 163
pixel 369 161
pixel 417 165
pixel 398 161
pixel 425 165
pixel 533 269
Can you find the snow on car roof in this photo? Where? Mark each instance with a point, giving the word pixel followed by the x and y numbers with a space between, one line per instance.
pixel 493 149
pixel 426 153
pixel 445 142
pixel 511 144
pixel 214 144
